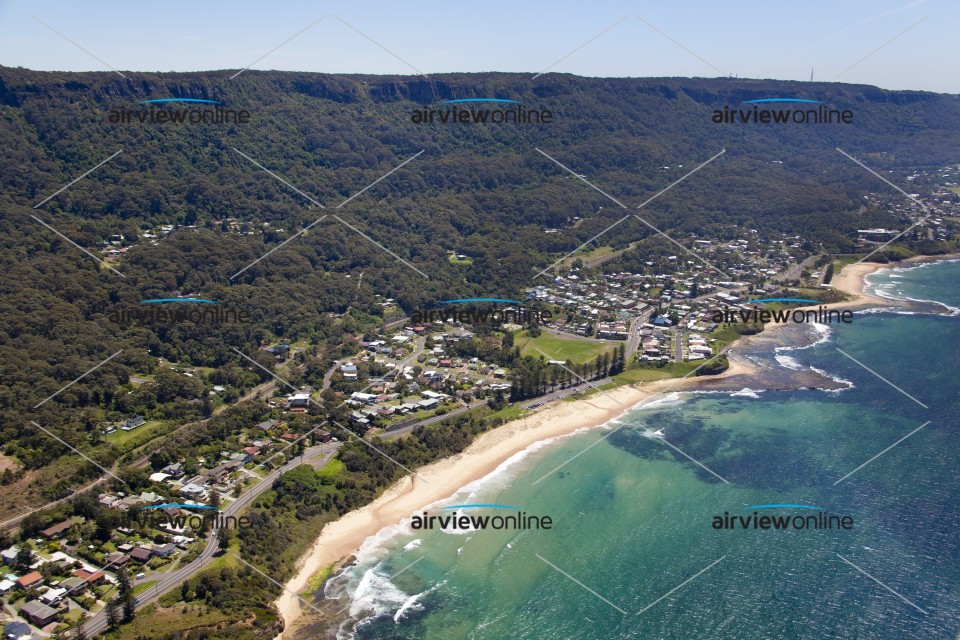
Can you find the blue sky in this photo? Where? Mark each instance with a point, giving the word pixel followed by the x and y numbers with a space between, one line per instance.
pixel 747 38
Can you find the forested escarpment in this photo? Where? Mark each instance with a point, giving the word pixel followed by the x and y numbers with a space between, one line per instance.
pixel 480 190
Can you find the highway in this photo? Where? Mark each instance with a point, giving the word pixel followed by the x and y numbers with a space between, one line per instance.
pixel 98 623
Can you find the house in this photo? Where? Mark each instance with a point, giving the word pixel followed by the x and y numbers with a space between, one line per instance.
pixel 280 351
pixel 266 425
pixel 221 470
pixel 53 596
pixel 56 530
pixel 164 550
pixel 127 503
pixel 133 423
pixel 17 631
pixel 32 579
pixel 9 555
pixel 6 586
pixel 193 491
pixel 140 554
pixel 115 559
pixel 366 398
pixel 174 470
pixel 74 586
pixel 349 370
pixel 298 400
pixel 38 613
pixel 108 500
pixel 251 451
pixel 95 577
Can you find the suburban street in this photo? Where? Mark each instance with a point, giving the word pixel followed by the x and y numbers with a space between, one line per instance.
pixel 166 582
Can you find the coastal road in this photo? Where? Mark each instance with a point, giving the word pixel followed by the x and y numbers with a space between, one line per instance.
pixel 166 582
pixel 402 431
pixel 553 396
pixel 633 341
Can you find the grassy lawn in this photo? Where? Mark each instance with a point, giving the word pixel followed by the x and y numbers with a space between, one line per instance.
pixel 510 412
pixel 146 431
pixel 555 348
pixel 140 588
pixel 454 260
pixel 160 622
pixel 332 468
pixel 650 373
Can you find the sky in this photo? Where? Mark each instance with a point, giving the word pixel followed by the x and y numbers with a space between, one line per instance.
pixel 894 44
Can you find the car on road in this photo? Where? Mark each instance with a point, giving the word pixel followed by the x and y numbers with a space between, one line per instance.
pixel 140 576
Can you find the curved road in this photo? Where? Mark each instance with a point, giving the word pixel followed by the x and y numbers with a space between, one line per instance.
pixel 98 623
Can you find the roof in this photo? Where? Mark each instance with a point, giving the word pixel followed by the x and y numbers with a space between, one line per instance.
pixel 37 609
pixel 30 578
pixel 141 554
pixel 72 583
pixel 56 529
pixel 17 629
pixel 86 576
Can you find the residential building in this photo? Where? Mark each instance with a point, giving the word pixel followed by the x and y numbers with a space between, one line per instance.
pixel 32 579
pixel 38 613
pixel 17 631
pixel 56 530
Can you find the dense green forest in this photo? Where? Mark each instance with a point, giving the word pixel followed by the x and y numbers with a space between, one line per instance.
pixel 479 190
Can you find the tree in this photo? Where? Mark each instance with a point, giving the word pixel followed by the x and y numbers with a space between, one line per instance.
pixel 223 540
pixel 126 595
pixel 81 633
pixel 23 559
pixel 113 613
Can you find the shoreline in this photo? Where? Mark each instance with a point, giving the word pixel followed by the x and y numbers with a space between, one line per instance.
pixel 443 478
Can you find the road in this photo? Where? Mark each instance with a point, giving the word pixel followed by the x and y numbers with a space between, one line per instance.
pixel 266 389
pixel 794 271
pixel 633 341
pixel 166 582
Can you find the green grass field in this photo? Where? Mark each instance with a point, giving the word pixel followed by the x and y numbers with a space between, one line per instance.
pixel 140 588
pixel 511 412
pixel 143 433
pixel 555 348
pixel 650 373
pixel 332 468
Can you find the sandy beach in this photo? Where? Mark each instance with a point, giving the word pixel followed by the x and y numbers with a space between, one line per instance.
pixel 443 478
pixel 852 281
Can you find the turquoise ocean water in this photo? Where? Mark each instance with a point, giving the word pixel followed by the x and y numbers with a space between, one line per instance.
pixel 632 518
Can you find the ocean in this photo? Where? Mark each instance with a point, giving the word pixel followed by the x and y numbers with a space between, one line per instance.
pixel 633 550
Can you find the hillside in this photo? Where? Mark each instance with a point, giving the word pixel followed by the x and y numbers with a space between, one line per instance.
pixel 480 190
